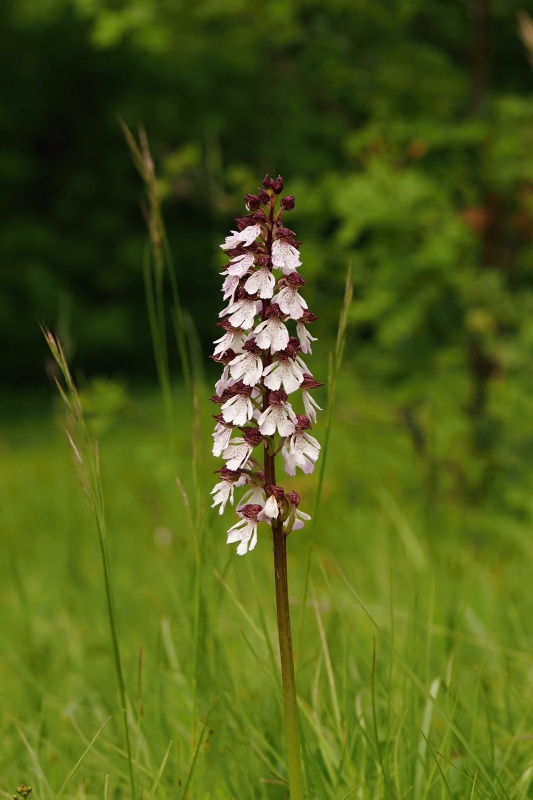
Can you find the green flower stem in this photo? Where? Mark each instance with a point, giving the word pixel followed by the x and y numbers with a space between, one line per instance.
pixel 292 726
pixel 290 702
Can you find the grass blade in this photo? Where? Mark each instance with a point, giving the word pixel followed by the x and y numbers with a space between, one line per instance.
pixel 335 362
pixel 86 453
pixel 76 766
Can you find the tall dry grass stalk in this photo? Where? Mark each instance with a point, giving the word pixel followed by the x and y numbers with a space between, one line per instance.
pixel 159 272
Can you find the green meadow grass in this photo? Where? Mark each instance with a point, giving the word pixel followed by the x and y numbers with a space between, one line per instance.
pixel 414 647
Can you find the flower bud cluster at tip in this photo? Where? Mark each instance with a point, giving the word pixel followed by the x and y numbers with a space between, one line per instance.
pixel 265 338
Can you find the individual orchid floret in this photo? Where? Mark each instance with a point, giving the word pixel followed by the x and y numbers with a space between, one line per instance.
pixel 256 218
pixel 302 449
pixel 240 265
pixel 293 351
pixel 278 416
pixel 233 339
pixel 304 337
pixel 272 333
pixel 288 299
pixel 276 184
pixel 239 449
pixel 252 201
pixel 247 365
pixel 271 510
pixel 284 371
pixel 221 435
pixel 242 312
pixel 229 287
pixel 285 256
pixel 287 203
pixel 245 237
pixel 245 531
pixel 237 453
pixel 225 380
pixel 261 282
pixel 238 409
pixel 220 397
pixel 276 499
pixel 310 404
pixel 224 490
pixel 296 518
pixel 254 496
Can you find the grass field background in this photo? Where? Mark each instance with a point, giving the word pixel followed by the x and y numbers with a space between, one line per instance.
pixel 414 655
pixel 404 131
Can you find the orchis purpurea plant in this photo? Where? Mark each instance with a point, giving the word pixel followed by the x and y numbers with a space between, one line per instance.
pixel 262 348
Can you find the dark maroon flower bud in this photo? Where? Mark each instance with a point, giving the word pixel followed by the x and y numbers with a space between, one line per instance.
pixel 268 183
pixel 231 391
pixel 239 388
pixel 225 325
pixel 294 498
pixel 309 382
pixel 277 491
pixel 251 347
pixel 242 294
pixel 240 250
pixel 273 311
pixel 289 352
pixel 285 233
pixel 277 185
pixel 251 510
pixel 278 397
pixel 303 423
pixel 307 317
pixel 252 436
pixel 263 260
pixel 294 343
pixel 294 279
pixel 225 357
pixel 252 201
pixel 287 202
pixel 228 393
pixel 221 421
pixel 228 474
pixel 245 222
pixel 264 197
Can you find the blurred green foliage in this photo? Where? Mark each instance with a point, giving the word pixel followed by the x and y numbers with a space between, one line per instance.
pixel 402 128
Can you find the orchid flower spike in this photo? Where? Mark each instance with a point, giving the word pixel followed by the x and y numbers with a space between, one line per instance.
pixel 266 332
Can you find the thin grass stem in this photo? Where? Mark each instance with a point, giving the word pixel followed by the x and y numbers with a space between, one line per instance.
pixel 335 361
pixel 78 763
pixel 87 463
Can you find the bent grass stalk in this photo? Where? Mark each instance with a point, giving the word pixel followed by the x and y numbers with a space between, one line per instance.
pixel 159 266
pixel 158 263
pixel 87 465
pixel 79 762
